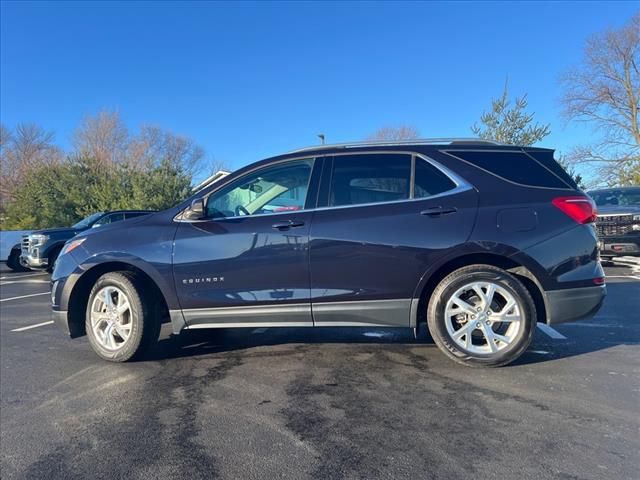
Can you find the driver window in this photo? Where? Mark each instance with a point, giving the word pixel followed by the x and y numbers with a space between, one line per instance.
pixel 278 188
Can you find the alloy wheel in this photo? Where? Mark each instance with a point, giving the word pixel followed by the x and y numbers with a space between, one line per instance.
pixel 111 318
pixel 483 317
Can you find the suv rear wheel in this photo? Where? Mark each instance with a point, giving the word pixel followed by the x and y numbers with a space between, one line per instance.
pixel 480 315
pixel 119 319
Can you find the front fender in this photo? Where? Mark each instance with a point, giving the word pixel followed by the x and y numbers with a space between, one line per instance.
pixel 69 272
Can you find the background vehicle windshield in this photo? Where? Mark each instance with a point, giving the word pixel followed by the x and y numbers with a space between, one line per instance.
pixel 616 197
pixel 87 221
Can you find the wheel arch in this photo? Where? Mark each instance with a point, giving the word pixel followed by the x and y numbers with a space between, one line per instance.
pixel 53 248
pixel 432 278
pixel 79 295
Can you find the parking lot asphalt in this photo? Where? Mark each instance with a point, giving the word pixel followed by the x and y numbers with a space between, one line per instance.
pixel 318 403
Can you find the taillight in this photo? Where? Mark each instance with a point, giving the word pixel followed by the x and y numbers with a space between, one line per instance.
pixel 580 209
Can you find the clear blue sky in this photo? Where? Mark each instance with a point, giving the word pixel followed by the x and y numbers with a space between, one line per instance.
pixel 247 80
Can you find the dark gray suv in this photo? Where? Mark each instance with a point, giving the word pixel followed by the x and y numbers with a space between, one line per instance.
pixel 476 240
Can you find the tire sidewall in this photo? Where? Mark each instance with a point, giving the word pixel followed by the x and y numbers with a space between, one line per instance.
pixel 13 262
pixel 132 346
pixel 450 284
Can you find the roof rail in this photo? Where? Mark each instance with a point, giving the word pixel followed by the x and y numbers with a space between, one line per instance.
pixel 415 141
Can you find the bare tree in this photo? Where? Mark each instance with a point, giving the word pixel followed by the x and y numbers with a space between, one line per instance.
pixel 27 147
pixel 604 92
pixel 155 145
pixel 400 132
pixel 103 137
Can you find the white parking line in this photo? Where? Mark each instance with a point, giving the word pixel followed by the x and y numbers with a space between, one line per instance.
pixel 32 326
pixel 623 276
pixel 11 277
pixel 24 296
pixel 552 332
pixel 23 281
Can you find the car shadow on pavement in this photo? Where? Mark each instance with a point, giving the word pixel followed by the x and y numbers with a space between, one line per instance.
pixel 614 325
pixel 543 349
pixel 203 342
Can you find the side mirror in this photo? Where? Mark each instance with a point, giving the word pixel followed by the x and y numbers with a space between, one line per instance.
pixel 196 210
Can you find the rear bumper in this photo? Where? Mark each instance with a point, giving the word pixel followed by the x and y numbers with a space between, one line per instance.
pixel 573 304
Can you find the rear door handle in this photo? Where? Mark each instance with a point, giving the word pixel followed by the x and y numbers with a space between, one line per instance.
pixel 437 211
pixel 287 225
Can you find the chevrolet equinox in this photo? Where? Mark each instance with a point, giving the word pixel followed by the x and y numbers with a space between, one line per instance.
pixel 476 240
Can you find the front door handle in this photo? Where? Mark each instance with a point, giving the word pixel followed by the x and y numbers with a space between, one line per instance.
pixel 287 225
pixel 438 211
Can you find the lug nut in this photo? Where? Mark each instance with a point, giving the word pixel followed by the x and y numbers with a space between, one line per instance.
pixel 489 312
pixel 478 309
pixel 488 322
pixel 472 317
pixel 478 324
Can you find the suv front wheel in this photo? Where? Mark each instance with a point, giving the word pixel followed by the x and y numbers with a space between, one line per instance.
pixel 119 319
pixel 481 315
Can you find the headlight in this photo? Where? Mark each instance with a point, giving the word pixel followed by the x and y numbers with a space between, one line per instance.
pixel 636 218
pixel 38 240
pixel 72 245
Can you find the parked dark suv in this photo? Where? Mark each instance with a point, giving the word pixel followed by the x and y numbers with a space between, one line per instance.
pixel 618 221
pixel 477 240
pixel 40 248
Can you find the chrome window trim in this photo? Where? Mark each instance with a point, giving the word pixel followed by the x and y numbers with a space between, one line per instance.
pixel 461 184
pixel 453 191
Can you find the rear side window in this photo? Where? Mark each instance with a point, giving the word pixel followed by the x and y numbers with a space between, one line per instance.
pixel 546 159
pixel 375 178
pixel 135 214
pixel 513 166
pixel 430 181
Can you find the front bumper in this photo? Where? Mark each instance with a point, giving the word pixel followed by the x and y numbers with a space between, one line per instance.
pixel 33 262
pixel 619 245
pixel 573 304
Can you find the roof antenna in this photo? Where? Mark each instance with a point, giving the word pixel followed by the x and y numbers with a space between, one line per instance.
pixel 321 137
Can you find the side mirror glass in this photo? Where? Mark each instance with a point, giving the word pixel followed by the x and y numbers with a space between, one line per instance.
pixel 196 210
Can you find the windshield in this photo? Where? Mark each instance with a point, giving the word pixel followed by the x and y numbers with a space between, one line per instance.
pixel 86 222
pixel 616 197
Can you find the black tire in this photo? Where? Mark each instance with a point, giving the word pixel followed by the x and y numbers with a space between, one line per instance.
pixel 145 328
pixel 482 273
pixel 13 262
